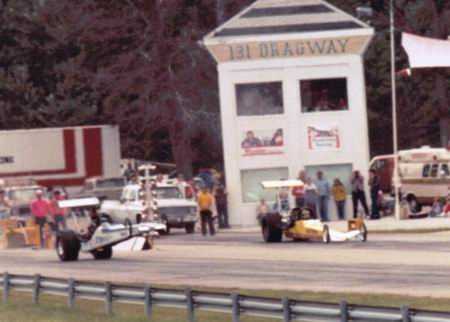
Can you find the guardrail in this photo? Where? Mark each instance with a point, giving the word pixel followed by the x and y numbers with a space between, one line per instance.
pixel 235 304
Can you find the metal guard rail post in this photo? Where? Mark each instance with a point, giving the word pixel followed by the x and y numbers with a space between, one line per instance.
pixel 234 304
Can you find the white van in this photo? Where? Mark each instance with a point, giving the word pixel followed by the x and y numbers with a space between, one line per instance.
pixel 424 173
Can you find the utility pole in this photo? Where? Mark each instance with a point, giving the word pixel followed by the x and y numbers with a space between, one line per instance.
pixel 394 111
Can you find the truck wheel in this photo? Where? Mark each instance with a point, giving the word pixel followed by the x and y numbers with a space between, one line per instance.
pixel 326 234
pixel 190 228
pixel 67 246
pixel 167 230
pixel 102 253
pixel 271 234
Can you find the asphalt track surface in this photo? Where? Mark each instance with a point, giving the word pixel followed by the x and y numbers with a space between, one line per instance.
pixel 407 264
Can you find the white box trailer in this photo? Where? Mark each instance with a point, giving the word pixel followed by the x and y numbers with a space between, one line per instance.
pixel 60 156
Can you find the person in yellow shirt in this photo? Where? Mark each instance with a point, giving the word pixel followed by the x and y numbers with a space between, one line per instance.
pixel 205 202
pixel 339 195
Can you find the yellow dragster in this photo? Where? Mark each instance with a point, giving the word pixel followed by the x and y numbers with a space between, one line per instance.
pixel 301 223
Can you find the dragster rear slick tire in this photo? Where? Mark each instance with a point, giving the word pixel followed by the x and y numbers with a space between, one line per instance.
pixel 67 246
pixel 272 234
pixel 271 228
pixel 102 253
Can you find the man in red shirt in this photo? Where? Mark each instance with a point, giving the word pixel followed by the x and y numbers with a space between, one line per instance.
pixel 40 208
pixel 447 207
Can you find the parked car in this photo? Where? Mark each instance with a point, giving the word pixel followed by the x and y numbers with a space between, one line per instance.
pixel 169 206
pixel 103 188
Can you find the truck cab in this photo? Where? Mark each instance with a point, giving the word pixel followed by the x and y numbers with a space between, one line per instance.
pixel 167 201
pixel 103 188
pixel 173 208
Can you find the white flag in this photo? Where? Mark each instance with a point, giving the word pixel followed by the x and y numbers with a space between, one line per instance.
pixel 426 52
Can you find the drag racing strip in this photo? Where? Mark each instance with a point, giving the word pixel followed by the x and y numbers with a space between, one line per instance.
pixel 397 264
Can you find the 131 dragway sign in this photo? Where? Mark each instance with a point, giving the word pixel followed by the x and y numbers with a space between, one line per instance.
pixel 287 49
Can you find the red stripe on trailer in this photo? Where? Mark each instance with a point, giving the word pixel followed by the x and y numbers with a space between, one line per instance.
pixel 70 151
pixel 92 139
pixel 69 159
pixel 69 182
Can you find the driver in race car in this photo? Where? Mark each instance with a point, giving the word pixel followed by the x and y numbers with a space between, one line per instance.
pixel 95 222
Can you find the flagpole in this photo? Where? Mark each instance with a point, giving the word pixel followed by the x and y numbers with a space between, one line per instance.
pixel 394 112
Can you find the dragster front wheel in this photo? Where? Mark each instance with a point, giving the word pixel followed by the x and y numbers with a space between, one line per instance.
pixel 364 232
pixel 271 234
pixel 326 235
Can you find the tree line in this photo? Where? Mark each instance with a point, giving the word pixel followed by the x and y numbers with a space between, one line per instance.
pixel 137 63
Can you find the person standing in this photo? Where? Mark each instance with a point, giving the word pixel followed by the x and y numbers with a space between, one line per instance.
pixel 446 210
pixel 323 189
pixel 311 195
pixel 358 194
pixel 40 209
pixel 221 203
pixel 5 205
pixel 205 204
pixel 262 209
pixel 299 192
pixel 59 220
pixel 339 195
pixel 437 207
pixel 374 184
pixel 185 188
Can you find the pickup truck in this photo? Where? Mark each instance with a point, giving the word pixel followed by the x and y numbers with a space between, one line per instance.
pixel 170 207
pixel 103 188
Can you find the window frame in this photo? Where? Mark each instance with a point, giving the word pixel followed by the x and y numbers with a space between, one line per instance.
pixel 426 170
pixel 434 172
pixel 281 81
pixel 347 94
pixel 243 193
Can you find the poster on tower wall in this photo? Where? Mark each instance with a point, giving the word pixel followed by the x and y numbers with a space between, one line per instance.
pixel 324 138
pixel 262 142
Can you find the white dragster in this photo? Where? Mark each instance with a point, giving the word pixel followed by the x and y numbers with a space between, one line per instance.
pixel 90 234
